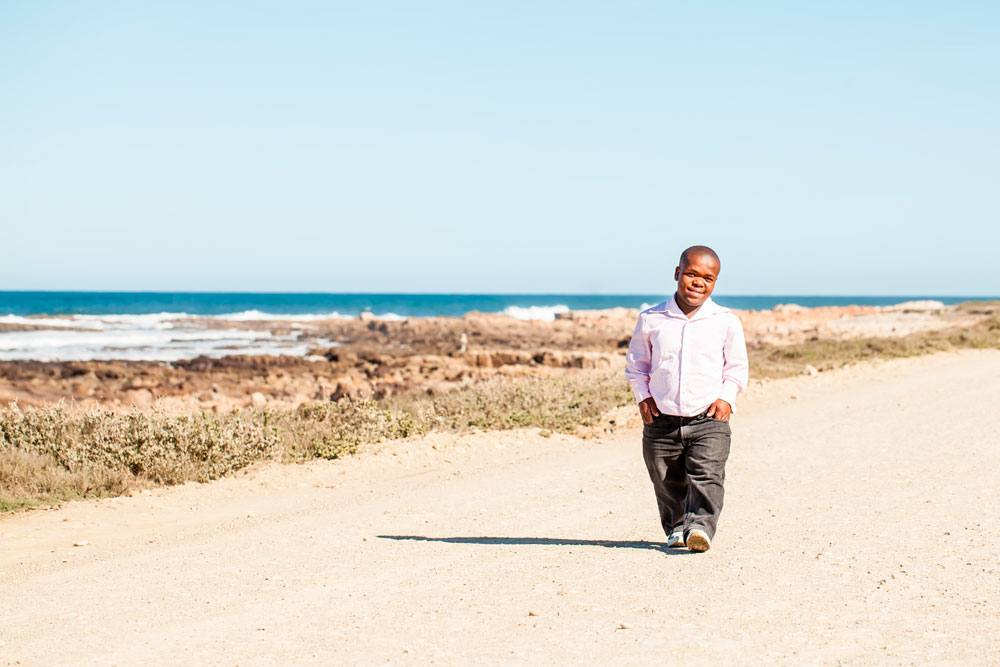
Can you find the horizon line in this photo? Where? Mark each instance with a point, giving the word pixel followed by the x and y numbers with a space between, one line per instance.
pixel 608 294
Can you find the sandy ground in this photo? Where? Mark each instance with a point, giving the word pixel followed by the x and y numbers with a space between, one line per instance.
pixel 862 525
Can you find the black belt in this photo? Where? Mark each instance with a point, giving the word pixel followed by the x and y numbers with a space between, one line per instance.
pixel 677 419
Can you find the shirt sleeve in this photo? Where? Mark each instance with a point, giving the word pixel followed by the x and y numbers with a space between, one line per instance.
pixel 638 362
pixel 736 364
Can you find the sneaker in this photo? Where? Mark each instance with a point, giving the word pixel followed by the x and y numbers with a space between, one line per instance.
pixel 698 540
pixel 676 540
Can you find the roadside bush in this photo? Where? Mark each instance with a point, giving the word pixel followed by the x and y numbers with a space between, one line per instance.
pixel 56 453
pixel 165 449
pixel 77 453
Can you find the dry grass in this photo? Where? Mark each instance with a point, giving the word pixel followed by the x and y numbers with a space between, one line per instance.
pixel 28 479
pixel 57 453
pixel 773 361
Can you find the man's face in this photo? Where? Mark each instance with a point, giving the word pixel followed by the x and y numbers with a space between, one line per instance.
pixel 696 279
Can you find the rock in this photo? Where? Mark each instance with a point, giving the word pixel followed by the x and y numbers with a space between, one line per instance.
pixel 549 358
pixel 923 306
pixel 810 370
pixel 510 358
pixel 384 371
pixel 788 308
pixel 82 389
pixel 258 400
pixel 345 389
pixel 531 613
pixel 982 307
pixel 81 543
pixel 142 382
pixel 140 398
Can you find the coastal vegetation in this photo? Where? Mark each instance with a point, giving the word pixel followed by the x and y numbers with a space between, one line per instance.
pixel 776 361
pixel 56 453
pixel 61 452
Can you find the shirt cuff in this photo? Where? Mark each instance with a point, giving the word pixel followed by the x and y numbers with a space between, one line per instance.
pixel 641 392
pixel 728 393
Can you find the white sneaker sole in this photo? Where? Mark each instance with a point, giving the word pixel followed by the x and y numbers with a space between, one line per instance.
pixel 698 542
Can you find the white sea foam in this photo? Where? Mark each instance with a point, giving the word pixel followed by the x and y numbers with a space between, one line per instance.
pixel 261 316
pixel 545 313
pixel 98 322
pixel 154 337
pixel 49 322
pixel 142 321
pixel 389 317
pixel 84 353
pixel 25 341
pixel 67 345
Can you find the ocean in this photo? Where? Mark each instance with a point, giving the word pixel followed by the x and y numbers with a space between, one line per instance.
pixel 170 326
pixel 250 305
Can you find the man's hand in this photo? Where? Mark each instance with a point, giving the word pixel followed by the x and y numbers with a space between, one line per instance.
pixel 720 410
pixel 648 410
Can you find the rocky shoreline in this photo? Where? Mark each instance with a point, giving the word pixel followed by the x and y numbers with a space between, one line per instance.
pixel 379 358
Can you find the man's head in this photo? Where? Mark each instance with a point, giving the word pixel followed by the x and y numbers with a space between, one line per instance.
pixel 696 274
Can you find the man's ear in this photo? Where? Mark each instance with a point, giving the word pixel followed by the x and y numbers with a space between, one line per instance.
pixel 677 273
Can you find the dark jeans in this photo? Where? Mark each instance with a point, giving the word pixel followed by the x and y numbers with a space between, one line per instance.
pixel 687 464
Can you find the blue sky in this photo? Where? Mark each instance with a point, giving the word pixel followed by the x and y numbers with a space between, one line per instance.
pixel 823 148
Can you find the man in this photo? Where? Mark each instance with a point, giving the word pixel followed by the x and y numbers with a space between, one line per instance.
pixel 686 363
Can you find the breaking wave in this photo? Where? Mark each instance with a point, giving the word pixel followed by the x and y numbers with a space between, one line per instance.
pixel 544 313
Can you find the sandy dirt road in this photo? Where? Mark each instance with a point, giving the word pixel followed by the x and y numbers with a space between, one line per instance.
pixel 862 525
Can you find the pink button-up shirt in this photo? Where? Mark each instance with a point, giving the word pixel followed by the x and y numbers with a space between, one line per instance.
pixel 685 363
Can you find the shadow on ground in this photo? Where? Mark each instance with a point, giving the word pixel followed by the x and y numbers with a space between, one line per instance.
pixel 542 541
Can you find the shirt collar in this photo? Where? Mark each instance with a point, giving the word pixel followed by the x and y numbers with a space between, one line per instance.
pixel 709 308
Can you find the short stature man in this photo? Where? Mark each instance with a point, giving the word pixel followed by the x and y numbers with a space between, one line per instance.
pixel 686 363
